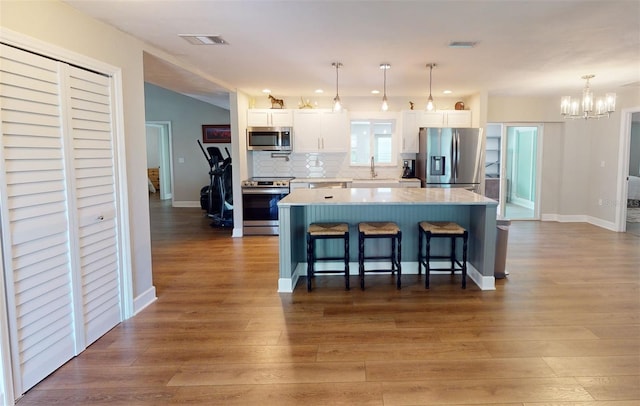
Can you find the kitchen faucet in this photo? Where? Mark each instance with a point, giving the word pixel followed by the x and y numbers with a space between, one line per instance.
pixel 373 169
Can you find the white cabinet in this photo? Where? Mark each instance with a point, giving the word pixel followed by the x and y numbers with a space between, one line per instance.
pixel 446 118
pixel 412 120
pixel 410 183
pixel 433 119
pixel 269 118
pixel 320 131
pixel 298 185
pixel 410 129
pixel 458 118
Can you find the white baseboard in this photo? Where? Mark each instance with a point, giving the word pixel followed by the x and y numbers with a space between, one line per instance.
pixel 602 223
pixel 579 218
pixel 185 203
pixel 144 300
pixel 287 285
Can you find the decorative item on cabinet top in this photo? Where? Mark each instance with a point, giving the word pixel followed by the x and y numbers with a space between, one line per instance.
pixel 305 104
pixel 276 103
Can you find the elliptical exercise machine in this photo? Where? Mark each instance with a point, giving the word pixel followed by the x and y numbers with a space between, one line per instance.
pixel 217 198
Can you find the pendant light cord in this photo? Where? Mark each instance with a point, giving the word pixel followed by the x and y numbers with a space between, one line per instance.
pixel 385 82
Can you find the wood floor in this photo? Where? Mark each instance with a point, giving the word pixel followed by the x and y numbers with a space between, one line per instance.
pixel 562 329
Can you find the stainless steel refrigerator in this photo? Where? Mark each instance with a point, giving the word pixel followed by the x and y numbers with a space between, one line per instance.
pixel 450 157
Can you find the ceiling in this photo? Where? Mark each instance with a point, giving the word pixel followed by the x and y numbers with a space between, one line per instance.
pixel 532 47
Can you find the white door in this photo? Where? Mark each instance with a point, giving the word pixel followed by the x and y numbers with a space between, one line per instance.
pixel 59 234
pixel 159 154
pixel 520 172
pixel 92 167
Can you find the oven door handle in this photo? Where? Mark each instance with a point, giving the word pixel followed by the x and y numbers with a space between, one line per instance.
pixel 265 191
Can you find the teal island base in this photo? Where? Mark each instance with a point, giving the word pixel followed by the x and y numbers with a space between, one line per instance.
pixel 404 206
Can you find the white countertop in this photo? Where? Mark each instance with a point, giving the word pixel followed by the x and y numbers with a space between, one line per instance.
pixel 318 180
pixel 329 180
pixel 376 196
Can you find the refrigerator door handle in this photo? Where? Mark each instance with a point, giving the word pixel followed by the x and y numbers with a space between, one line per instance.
pixel 455 155
pixel 452 160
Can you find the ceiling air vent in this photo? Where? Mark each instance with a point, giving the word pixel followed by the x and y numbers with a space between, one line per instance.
pixel 204 39
pixel 462 44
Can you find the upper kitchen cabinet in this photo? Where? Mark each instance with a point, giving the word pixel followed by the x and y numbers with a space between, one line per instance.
pixel 410 130
pixel 446 118
pixel 269 118
pixel 320 131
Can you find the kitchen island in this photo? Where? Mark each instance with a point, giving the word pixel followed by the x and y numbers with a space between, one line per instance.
pixel 405 206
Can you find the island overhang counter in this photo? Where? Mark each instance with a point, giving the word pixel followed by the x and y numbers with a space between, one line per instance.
pixel 404 206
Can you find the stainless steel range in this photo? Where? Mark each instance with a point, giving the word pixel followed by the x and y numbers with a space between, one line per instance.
pixel 260 197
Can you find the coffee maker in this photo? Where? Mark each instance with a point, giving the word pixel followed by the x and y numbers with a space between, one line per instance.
pixel 409 168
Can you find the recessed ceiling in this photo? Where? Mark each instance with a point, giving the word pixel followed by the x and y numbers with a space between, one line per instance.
pixel 522 47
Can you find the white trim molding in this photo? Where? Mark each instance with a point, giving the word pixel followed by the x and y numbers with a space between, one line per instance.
pixel 286 285
pixel 145 299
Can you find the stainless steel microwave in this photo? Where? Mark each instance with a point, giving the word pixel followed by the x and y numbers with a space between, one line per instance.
pixel 270 138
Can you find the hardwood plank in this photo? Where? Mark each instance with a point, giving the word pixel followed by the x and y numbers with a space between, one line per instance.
pixel 428 370
pixel 490 391
pixel 72 377
pixel 138 396
pixel 562 348
pixel 315 394
pixel 613 387
pixel 516 333
pixel 234 374
pixel 595 366
pixel 401 352
pixel 414 336
pixel 210 354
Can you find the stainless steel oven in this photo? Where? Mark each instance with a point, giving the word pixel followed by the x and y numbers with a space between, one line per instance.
pixel 260 197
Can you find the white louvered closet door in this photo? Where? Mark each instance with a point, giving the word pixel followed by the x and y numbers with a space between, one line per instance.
pixel 60 248
pixel 92 162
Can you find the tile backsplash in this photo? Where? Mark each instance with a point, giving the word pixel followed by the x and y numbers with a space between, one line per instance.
pixel 315 165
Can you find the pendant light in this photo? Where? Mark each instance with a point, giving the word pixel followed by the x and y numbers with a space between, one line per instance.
pixel 385 67
pixel 336 100
pixel 430 105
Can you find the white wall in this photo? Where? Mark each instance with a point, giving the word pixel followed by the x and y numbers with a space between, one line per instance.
pixel 58 24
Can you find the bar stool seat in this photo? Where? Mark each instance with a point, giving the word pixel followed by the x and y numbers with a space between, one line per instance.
pixel 389 230
pixel 325 231
pixel 442 229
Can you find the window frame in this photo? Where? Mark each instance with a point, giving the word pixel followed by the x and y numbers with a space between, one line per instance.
pixel 373 118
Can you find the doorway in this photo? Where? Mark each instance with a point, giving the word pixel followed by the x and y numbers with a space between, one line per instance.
pixel 159 157
pixel 630 173
pixel 520 172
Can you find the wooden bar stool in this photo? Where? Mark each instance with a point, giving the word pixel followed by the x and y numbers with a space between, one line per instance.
pixel 325 231
pixel 442 229
pixel 380 230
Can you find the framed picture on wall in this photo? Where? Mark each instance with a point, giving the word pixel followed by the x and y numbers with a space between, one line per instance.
pixel 220 133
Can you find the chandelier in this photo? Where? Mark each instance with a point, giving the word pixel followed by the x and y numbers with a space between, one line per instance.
pixel 601 107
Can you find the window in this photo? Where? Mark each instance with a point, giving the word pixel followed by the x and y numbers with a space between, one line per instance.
pixel 372 138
